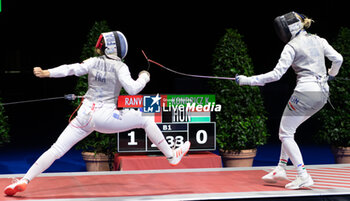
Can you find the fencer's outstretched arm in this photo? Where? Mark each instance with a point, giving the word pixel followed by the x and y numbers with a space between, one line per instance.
pixel 62 71
pixel 131 86
pixel 77 69
pixel 285 61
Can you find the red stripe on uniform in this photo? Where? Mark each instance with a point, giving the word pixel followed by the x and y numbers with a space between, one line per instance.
pixel 290 104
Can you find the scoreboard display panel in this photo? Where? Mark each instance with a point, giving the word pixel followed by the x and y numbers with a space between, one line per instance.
pixel 179 117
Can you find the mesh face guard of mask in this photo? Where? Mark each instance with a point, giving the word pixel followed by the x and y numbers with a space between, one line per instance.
pixel 288 26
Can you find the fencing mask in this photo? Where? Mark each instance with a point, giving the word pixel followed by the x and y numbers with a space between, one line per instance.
pixel 116 45
pixel 288 26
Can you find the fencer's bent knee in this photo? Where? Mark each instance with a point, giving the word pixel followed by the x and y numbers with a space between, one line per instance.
pixel 146 122
pixel 286 130
pixel 285 135
pixel 284 138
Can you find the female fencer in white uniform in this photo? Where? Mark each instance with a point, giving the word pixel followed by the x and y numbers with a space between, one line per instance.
pixel 306 54
pixel 107 74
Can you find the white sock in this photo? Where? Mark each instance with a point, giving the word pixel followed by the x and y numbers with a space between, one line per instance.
pixel 283 158
pixel 301 170
pixel 157 138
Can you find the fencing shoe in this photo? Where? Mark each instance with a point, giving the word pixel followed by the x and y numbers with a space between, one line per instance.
pixel 179 153
pixel 16 186
pixel 278 174
pixel 300 182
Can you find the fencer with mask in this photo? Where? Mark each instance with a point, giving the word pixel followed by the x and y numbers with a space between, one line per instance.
pixel 107 74
pixel 305 53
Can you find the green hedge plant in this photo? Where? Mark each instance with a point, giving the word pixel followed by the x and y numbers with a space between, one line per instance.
pixel 335 127
pixel 241 123
pixel 4 127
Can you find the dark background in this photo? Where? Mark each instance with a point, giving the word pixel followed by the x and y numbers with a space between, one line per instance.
pixel 179 34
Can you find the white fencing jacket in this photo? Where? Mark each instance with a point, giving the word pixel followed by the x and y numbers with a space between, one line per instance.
pixel 306 54
pixel 106 77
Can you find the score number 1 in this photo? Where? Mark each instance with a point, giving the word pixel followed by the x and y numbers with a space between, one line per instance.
pixel 132 138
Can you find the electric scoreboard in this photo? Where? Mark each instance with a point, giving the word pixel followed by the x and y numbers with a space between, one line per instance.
pixel 179 117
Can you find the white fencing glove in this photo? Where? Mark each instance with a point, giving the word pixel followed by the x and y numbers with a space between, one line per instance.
pixel 242 80
pixel 145 76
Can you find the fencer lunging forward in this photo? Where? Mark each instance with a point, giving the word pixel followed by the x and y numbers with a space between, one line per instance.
pixel 107 74
pixel 306 54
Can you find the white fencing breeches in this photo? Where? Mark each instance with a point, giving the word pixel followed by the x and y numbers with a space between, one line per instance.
pixel 102 118
pixel 300 107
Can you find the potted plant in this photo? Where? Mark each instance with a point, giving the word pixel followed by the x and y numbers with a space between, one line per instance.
pixel 336 121
pixel 97 149
pixel 4 127
pixel 241 124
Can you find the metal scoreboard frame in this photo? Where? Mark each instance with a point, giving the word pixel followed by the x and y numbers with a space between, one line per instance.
pixel 200 131
pixel 202 139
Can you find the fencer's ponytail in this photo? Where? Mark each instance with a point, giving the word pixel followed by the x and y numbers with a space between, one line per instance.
pixel 99 51
pixel 305 20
